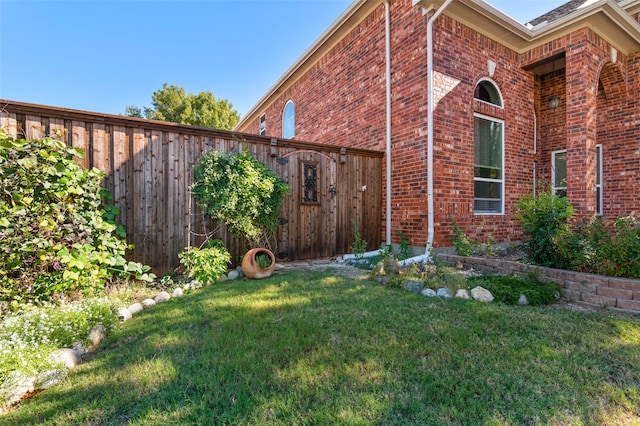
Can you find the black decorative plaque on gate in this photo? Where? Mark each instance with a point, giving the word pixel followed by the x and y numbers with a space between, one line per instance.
pixel 310 182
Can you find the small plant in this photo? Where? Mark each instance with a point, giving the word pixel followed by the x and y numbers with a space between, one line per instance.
pixel 208 264
pixel 462 243
pixel 263 261
pixel 405 250
pixel 359 245
pixel 508 289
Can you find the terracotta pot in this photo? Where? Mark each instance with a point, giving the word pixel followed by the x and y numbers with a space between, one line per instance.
pixel 250 267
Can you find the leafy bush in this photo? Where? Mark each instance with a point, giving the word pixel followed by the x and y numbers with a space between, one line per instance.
pixel 460 240
pixel 508 289
pixel 57 237
pixel 619 255
pixel 405 250
pixel 542 217
pixel 208 264
pixel 241 192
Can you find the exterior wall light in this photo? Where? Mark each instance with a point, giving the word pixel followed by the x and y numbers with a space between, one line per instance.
pixel 554 102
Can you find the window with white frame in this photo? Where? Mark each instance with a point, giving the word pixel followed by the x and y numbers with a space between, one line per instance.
pixel 288 121
pixel 263 125
pixel 559 172
pixel 488 165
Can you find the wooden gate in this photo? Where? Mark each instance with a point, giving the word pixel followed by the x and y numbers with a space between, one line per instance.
pixel 308 222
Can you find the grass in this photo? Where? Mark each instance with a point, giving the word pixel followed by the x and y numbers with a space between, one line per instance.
pixel 311 348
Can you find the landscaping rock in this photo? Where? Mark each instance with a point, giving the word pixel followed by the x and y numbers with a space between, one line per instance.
pixel 482 294
pixel 223 278
pixel 47 379
pixel 124 314
pixel 463 293
pixel 15 386
pixel 414 286
pixel 163 296
pixel 147 303
pixel 522 301
pixel 79 348
pixel 96 335
pixel 68 357
pixel 135 308
pixel 444 292
pixel 429 292
pixel 178 292
pixel 234 275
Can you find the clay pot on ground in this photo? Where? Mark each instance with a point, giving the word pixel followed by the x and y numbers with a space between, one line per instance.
pixel 250 266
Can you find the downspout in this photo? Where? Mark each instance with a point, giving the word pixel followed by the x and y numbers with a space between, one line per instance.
pixel 431 107
pixel 387 29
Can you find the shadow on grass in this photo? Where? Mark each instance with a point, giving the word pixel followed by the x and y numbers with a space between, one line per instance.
pixel 308 348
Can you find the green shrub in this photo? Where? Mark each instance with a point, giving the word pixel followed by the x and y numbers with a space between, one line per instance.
pixel 263 260
pixel 57 237
pixel 542 217
pixel 242 193
pixel 507 289
pixel 462 243
pixel 208 264
pixel 619 256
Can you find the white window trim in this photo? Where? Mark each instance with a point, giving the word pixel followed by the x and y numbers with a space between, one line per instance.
pixel 553 172
pixel 504 171
pixel 262 132
pixel 501 106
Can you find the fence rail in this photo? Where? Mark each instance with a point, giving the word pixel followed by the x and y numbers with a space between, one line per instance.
pixel 149 166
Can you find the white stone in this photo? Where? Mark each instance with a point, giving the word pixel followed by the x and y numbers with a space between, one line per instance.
pixel 234 275
pixel 79 348
pixel 135 308
pixel 67 357
pixel 147 303
pixel 463 293
pixel 178 292
pixel 124 314
pixel 444 292
pixel 482 294
pixel 429 292
pixel 163 296
pixel 222 278
pixel 522 301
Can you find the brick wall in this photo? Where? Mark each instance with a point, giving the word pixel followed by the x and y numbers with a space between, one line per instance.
pixel 341 101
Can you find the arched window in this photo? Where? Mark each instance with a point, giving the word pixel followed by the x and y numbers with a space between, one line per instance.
pixel 289 121
pixel 488 170
pixel 486 91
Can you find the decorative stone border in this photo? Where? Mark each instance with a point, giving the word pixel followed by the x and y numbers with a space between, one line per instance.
pixel 618 294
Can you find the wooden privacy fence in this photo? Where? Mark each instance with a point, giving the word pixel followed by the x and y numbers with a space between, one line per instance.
pixel 149 166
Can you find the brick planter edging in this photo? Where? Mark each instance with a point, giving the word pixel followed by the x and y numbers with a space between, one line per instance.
pixel 595 290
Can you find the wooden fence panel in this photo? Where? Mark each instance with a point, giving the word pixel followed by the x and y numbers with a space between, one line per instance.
pixel 150 168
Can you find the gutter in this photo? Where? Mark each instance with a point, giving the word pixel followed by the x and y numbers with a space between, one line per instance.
pixel 426 257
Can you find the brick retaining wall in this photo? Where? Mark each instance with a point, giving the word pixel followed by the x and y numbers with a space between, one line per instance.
pixel 595 290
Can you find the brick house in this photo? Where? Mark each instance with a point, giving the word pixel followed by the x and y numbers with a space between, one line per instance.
pixel 555 101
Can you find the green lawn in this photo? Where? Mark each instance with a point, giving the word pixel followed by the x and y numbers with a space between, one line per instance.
pixel 309 348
